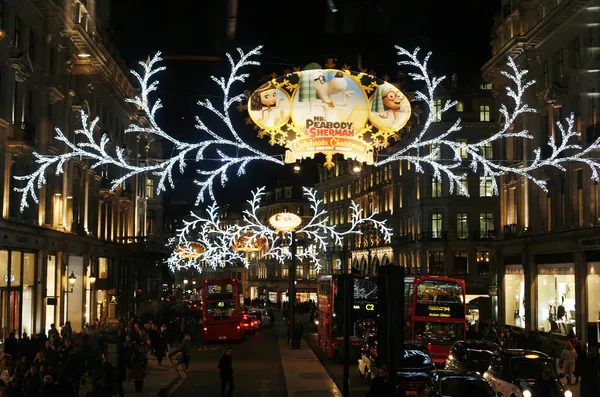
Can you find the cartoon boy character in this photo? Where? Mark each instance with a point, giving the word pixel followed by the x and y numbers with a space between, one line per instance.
pixel 264 100
pixel 390 103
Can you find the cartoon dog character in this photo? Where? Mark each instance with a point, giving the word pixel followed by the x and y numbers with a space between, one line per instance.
pixel 325 89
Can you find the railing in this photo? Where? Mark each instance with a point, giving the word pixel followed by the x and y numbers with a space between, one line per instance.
pixel 512 230
pixel 435 235
pixel 484 235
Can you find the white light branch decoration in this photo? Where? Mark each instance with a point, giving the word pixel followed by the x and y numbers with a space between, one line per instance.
pixel 565 151
pixel 232 152
pixel 205 242
pixel 316 231
pixel 215 143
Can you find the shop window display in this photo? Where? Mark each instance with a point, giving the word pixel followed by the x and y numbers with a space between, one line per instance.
pixel 556 298
pixel 593 292
pixel 514 296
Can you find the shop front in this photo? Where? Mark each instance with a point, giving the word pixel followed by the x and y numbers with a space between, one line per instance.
pixel 514 296
pixel 556 298
pixel 17 292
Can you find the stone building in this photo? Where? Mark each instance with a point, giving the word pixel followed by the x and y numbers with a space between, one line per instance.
pixel 54 62
pixel 550 252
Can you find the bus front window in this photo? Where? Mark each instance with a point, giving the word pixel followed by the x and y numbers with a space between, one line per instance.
pixel 220 310
pixel 434 291
pixel 439 333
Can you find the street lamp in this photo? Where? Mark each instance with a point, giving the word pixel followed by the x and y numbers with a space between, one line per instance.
pixel 72 279
pixel 185 282
pixel 288 222
pixel 92 279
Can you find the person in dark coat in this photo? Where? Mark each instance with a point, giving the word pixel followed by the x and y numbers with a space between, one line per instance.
pixel 160 348
pixel 379 384
pixel 47 389
pixel 10 346
pixel 186 350
pixel 32 382
pixel 226 368
pixel 138 369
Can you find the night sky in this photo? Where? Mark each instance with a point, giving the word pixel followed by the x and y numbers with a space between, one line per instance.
pixel 458 33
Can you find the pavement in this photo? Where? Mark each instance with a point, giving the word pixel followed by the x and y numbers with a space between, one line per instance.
pixel 159 377
pixel 304 373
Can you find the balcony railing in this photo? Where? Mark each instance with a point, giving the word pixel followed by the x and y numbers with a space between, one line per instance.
pixel 434 235
pixel 24 132
pixel 484 235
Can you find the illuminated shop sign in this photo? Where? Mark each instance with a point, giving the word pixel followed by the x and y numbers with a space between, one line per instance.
pixel 329 111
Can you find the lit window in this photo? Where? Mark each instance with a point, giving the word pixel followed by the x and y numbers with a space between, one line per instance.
pixel 486 187
pixel 436 187
pixel 462 152
pixel 486 224
pixel 484 113
pixel 149 188
pixel 486 151
pixel 486 86
pixel 462 227
pixel 437 109
pixel 483 262
pixel 464 181
pixel 460 107
pixel 433 147
pixel 436 225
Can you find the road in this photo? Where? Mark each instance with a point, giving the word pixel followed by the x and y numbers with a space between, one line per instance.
pixel 335 369
pixel 256 364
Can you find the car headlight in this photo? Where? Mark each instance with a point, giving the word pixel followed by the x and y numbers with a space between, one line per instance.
pixel 568 393
pixel 526 393
pixel 317 322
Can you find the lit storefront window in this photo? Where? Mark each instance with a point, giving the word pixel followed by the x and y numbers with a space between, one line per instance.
pixel 50 291
pixel 17 276
pixel 593 291
pixel 514 296
pixel 556 298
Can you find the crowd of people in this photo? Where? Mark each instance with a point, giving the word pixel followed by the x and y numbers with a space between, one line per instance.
pixel 62 362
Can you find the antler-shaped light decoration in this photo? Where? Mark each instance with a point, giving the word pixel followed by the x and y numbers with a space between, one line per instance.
pixel 564 152
pixel 100 152
pixel 205 242
pixel 219 240
pixel 316 231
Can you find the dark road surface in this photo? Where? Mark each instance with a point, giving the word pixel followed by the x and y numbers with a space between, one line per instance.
pixel 335 369
pixel 257 369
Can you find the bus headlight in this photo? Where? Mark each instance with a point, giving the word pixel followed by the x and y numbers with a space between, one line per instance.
pixel 568 393
pixel 526 393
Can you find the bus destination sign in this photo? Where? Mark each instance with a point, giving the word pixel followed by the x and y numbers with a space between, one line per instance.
pixel 445 310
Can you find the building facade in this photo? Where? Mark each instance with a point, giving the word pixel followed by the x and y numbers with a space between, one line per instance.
pixel 267 278
pixel 434 231
pixel 54 63
pixel 549 251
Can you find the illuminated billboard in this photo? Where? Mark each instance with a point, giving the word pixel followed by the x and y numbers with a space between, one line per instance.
pixel 329 111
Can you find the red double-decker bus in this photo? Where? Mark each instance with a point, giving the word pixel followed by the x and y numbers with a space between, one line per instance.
pixel 329 311
pixel 222 310
pixel 435 313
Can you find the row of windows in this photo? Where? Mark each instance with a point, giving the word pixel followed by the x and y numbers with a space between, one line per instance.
pixel 486 225
pixel 436 262
pixel 302 272
pixel 485 112
pixel 486 187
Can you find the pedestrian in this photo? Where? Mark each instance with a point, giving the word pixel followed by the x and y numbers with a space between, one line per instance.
pixel 47 389
pixel 138 369
pixel 298 329
pixel 379 384
pixel 567 361
pixel 160 348
pixel 226 368
pixel 186 350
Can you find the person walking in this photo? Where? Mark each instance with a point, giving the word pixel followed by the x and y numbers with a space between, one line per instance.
pixel 379 384
pixel 186 350
pixel 138 369
pixel 567 361
pixel 226 368
pixel 160 348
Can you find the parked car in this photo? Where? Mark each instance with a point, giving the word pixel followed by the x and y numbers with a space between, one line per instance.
pixel 471 355
pixel 517 372
pixel 249 325
pixel 416 367
pixel 444 383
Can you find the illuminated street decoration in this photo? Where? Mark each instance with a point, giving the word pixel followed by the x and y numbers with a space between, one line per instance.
pixel 232 152
pixel 329 111
pixel 226 244
pixel 215 239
